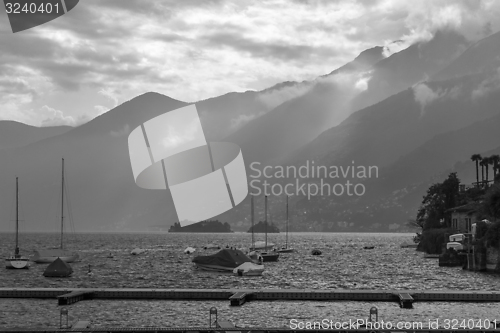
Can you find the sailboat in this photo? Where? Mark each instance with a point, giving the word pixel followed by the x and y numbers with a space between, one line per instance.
pixel 48 256
pixel 266 256
pixel 17 261
pixel 286 249
pixel 254 255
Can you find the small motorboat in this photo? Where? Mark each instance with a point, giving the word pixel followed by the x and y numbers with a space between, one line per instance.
pixel 261 245
pixel 270 256
pixel 58 268
pixel 249 269
pixel 455 245
pixel 316 252
pixel 137 251
pixel 286 250
pixel 225 260
pixel 457 238
pixel 211 246
pixel 189 250
pixel 256 257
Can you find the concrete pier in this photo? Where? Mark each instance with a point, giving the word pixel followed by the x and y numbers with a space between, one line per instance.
pixel 75 296
pixel 239 298
pixel 259 294
pixel 405 300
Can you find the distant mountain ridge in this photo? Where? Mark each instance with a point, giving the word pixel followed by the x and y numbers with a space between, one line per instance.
pixel 402 133
pixel 332 98
pixel 14 134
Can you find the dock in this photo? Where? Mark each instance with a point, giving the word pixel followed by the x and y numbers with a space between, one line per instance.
pixel 405 300
pixel 75 296
pixel 240 296
pixel 226 325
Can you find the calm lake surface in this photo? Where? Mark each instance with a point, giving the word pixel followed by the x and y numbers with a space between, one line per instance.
pixel 344 264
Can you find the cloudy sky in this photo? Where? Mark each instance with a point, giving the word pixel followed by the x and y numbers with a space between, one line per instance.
pixel 103 53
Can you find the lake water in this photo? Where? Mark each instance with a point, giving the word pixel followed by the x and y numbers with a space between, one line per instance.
pixel 344 264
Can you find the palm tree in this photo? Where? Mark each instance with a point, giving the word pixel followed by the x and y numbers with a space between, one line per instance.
pixel 487 161
pixel 476 158
pixel 496 160
pixel 482 163
pixel 491 203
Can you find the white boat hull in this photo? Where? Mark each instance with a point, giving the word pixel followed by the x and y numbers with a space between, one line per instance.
pixel 249 269
pixel 215 268
pixel 17 263
pixel 251 273
pixel 288 250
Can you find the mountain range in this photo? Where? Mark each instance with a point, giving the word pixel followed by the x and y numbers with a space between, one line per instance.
pixel 415 115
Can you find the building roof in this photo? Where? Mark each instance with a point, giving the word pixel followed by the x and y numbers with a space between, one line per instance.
pixel 467 208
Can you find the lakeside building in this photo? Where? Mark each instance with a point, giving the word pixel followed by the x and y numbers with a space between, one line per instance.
pixel 463 217
pixel 463 220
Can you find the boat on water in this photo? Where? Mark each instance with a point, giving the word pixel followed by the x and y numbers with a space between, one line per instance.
pixel 271 255
pixel 211 247
pixel 17 261
pixel 286 249
pixel 225 260
pixel 58 268
pixel 137 251
pixel 49 255
pixel 189 250
pixel 249 269
pixel 261 245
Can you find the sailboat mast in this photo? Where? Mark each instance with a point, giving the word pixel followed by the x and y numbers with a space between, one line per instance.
pixel 266 219
pixel 17 217
pixel 252 215
pixel 62 204
pixel 286 241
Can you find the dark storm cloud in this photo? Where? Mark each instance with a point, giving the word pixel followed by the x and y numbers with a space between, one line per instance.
pixel 274 50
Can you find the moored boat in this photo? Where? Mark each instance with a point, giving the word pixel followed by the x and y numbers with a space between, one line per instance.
pixel 17 261
pixel 261 245
pixel 270 256
pixel 225 260
pixel 249 269
pixel 273 255
pixel 49 255
pixel 286 249
pixel 58 268
pixel 137 251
